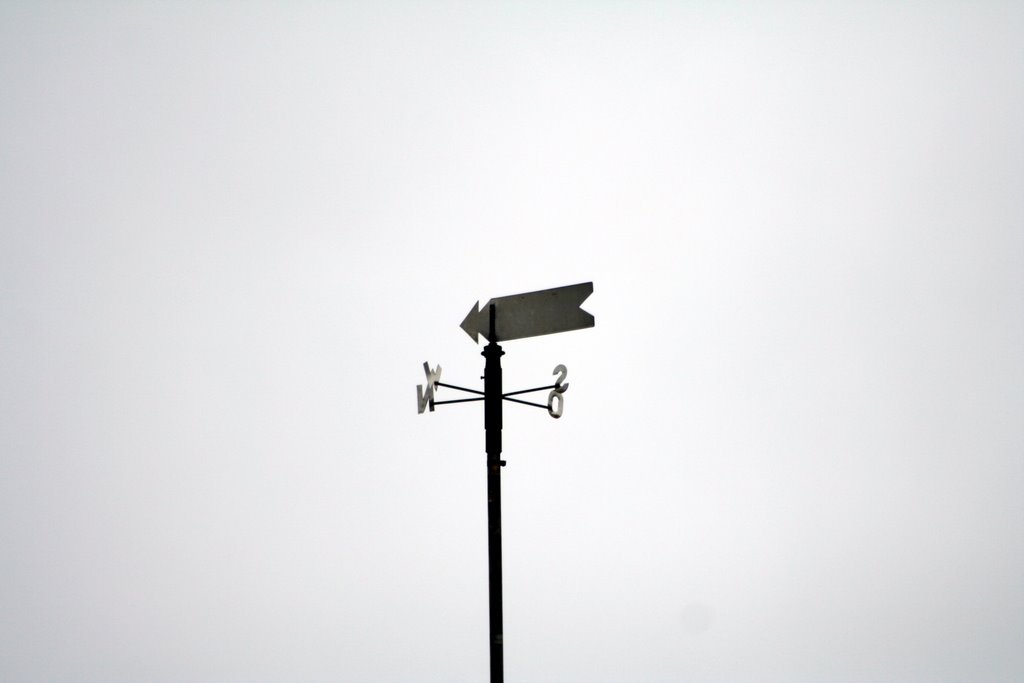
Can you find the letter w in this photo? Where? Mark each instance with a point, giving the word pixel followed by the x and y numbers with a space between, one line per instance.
pixel 426 398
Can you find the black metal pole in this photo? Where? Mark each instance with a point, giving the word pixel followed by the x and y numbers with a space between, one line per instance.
pixel 492 428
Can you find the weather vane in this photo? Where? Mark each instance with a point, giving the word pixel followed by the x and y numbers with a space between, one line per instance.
pixel 505 318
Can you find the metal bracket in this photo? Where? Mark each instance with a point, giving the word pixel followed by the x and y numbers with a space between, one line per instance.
pixel 556 389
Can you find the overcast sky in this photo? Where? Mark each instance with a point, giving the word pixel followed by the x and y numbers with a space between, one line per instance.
pixel 231 234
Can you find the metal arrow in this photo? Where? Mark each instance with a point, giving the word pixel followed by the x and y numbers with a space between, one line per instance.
pixel 532 314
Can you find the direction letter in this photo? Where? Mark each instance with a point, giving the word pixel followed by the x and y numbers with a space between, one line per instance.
pixel 425 399
pixel 558 391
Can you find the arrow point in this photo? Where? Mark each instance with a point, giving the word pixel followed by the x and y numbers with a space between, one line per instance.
pixel 469 323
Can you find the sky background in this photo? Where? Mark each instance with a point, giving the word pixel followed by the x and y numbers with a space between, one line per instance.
pixel 231 234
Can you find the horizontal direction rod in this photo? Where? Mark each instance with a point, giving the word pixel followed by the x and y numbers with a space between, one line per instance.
pixel 480 395
pixel 457 400
pixel 526 391
pixel 452 386
pixel 525 403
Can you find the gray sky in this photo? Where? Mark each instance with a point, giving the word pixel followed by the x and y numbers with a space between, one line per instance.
pixel 231 233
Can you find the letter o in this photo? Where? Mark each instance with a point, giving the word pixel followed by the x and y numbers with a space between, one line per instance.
pixel 555 394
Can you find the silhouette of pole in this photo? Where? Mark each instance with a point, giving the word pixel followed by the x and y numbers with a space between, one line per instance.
pixel 492 428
